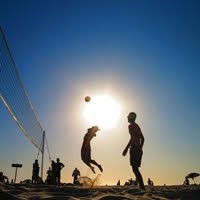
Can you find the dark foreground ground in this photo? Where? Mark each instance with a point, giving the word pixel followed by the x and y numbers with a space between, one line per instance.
pixel 45 192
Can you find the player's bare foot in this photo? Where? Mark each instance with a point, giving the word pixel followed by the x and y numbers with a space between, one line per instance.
pixel 100 168
pixel 92 168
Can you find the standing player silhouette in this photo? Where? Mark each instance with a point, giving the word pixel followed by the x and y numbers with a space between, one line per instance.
pixel 135 144
pixel 86 149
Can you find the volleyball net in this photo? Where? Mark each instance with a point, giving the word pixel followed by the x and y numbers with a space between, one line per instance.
pixel 16 98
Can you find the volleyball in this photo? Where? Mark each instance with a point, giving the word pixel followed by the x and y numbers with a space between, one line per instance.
pixel 87 99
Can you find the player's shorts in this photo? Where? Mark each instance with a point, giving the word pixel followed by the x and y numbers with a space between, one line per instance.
pixel 135 156
pixel 86 155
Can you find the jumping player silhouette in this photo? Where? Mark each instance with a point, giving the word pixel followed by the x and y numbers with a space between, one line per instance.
pixel 86 149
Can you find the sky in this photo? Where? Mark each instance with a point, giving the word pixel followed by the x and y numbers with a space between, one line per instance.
pixel 144 54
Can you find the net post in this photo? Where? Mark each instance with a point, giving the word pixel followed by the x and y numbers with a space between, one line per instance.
pixel 42 162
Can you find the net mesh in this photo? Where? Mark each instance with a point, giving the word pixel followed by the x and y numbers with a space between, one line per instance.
pixel 15 96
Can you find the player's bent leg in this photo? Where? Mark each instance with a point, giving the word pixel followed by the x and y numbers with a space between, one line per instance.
pixel 95 163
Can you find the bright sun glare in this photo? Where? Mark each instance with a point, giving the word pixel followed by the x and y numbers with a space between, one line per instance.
pixel 102 111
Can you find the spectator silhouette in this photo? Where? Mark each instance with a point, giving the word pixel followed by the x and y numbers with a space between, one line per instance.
pixel 49 176
pixel 135 144
pixel 58 167
pixel 86 148
pixel 131 181
pixel 186 182
pixel 76 174
pixel 53 172
pixel 150 182
pixel 35 172
pixel 3 178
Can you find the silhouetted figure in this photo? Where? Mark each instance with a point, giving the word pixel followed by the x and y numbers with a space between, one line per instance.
pixel 53 172
pixel 186 182
pixel 118 183
pixel 126 183
pixel 49 176
pixel 35 172
pixel 58 167
pixel 150 182
pixel 3 178
pixel 76 174
pixel 86 149
pixel 12 181
pixel 135 144
pixel 135 182
pixel 131 181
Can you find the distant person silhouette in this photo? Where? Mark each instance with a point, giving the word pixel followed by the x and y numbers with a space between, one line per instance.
pixel 53 172
pixel 131 181
pixel 150 182
pixel 58 167
pixel 86 149
pixel 49 176
pixel 135 144
pixel 76 173
pixel 186 182
pixel 35 172
pixel 3 178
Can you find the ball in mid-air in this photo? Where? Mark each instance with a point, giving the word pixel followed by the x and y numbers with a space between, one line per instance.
pixel 87 99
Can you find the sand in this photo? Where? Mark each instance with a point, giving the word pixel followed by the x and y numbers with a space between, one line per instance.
pixel 50 192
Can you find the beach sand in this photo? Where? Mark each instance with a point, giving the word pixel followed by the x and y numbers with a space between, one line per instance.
pixel 50 192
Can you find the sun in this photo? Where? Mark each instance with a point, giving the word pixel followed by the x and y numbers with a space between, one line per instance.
pixel 102 111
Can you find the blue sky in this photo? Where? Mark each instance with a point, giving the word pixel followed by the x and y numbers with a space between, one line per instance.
pixel 145 54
